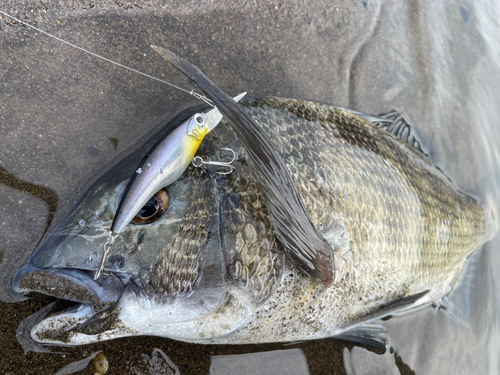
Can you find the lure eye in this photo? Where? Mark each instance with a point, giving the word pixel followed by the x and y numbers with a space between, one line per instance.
pixel 152 210
pixel 200 120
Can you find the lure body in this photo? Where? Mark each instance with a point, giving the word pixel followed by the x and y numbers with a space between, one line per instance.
pixel 165 164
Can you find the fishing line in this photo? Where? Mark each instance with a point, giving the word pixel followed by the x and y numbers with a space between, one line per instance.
pixel 196 95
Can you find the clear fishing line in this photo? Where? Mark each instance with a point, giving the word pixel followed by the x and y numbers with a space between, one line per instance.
pixel 196 95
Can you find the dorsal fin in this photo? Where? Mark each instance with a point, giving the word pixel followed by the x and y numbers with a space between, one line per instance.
pixel 377 120
pixel 394 123
pixel 289 217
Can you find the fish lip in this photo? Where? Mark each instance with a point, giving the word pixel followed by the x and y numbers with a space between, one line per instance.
pixel 70 284
pixel 58 328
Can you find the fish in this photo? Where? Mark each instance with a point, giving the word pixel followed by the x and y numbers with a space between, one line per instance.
pixel 227 263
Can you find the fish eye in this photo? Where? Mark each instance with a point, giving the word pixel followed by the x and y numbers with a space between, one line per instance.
pixel 200 120
pixel 152 210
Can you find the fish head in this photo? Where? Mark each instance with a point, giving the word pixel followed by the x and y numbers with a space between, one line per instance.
pixel 172 272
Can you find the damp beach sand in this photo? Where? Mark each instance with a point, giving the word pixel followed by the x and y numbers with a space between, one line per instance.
pixel 66 118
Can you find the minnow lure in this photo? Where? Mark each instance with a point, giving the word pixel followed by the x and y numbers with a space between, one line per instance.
pixel 160 169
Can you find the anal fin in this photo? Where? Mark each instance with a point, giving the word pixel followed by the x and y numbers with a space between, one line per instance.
pixel 361 331
pixel 390 308
pixel 367 334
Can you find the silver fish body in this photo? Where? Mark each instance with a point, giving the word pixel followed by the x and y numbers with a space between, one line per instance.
pixel 211 269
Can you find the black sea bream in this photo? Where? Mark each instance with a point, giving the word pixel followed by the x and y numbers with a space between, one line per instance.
pixel 216 264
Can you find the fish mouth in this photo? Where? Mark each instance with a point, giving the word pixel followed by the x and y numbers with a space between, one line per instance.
pixel 70 284
pixel 96 300
pixel 111 308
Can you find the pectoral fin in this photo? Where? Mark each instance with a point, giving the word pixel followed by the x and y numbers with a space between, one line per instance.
pixel 289 217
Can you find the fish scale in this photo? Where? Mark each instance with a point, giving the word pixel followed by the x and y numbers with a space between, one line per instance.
pixel 177 266
pixel 409 229
pixel 253 265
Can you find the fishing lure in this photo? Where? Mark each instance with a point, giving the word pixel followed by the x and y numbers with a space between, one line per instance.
pixel 165 164
pixel 163 167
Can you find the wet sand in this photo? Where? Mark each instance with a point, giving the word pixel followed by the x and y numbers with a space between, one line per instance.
pixel 64 117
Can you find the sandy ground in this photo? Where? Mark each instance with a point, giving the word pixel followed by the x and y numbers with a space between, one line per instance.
pixel 65 117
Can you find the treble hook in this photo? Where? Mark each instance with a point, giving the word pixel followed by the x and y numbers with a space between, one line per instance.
pixel 198 162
